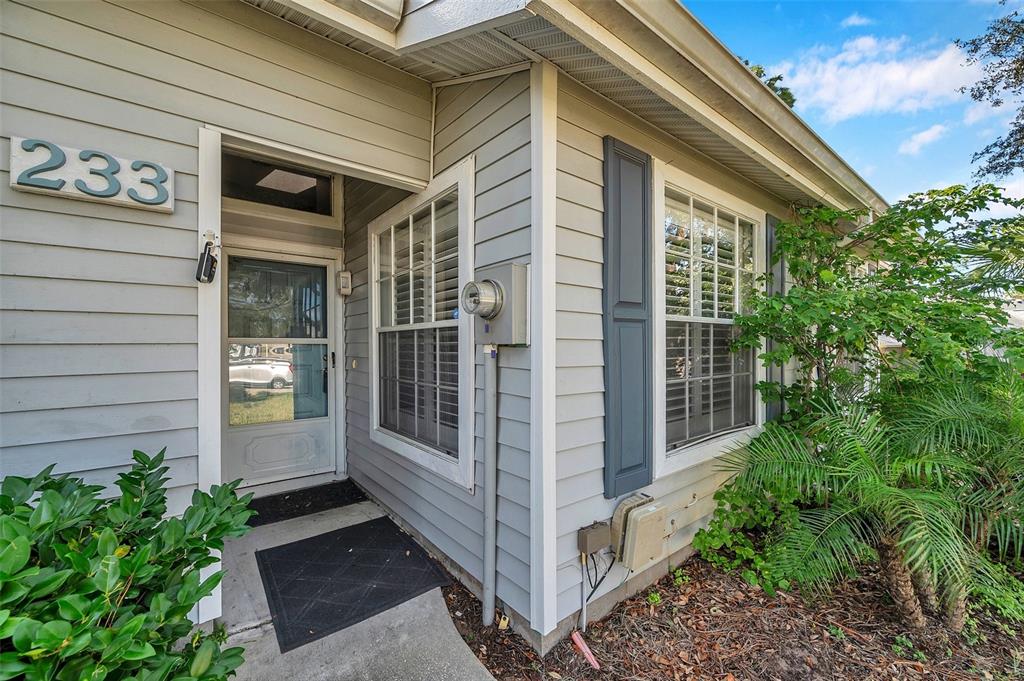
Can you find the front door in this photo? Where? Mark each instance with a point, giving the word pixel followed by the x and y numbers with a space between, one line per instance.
pixel 279 383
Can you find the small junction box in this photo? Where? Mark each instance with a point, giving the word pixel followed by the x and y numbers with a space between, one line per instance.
pixel 593 538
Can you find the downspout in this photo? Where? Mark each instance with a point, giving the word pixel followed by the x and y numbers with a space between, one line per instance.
pixel 490 480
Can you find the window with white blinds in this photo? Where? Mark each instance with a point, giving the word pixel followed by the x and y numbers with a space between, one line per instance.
pixel 417 288
pixel 709 271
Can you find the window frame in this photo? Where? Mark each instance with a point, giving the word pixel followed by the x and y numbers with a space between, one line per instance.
pixel 269 216
pixel 693 454
pixel 459 177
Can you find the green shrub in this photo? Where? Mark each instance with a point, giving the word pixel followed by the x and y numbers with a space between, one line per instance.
pixel 94 588
pixel 909 454
pixel 733 539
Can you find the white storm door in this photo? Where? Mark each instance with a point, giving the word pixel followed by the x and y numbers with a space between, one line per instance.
pixel 280 368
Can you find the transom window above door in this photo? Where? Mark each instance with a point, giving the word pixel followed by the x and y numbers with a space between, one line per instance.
pixel 421 352
pixel 273 184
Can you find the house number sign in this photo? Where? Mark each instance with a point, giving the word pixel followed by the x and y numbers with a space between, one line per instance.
pixel 90 175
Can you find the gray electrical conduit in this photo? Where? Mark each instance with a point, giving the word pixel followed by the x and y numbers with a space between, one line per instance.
pixel 490 479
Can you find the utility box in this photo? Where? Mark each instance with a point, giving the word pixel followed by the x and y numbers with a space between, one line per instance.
pixel 501 294
pixel 645 535
pixel 594 538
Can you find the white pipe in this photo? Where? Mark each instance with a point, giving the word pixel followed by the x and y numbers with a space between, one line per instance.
pixel 583 592
pixel 490 479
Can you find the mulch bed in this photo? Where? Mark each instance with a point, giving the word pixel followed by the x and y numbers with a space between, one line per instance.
pixel 715 626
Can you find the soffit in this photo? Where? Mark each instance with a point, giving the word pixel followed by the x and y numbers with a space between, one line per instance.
pixel 513 42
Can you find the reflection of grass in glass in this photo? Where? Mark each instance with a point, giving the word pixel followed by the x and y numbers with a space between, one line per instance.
pixel 261 407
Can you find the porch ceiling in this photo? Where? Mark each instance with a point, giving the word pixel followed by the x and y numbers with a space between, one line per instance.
pixel 518 41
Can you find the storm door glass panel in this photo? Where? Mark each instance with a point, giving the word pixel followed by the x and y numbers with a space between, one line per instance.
pixel 277 341
pixel 269 299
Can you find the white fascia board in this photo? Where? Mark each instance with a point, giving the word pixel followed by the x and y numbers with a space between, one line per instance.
pixel 443 20
pixel 436 22
pixel 346 21
pixel 577 23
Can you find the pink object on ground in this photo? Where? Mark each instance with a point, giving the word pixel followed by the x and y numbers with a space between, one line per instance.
pixel 584 649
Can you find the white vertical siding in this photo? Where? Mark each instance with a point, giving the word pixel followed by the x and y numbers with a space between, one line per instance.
pixel 488 118
pixel 583 120
pixel 98 305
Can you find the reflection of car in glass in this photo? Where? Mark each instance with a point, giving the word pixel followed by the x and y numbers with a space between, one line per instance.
pixel 260 371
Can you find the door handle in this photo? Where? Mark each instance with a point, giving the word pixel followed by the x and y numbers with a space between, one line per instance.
pixel 333 363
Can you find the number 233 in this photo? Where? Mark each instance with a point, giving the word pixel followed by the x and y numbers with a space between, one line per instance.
pixel 107 185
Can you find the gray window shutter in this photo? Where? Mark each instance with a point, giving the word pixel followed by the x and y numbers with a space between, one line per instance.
pixel 629 444
pixel 777 286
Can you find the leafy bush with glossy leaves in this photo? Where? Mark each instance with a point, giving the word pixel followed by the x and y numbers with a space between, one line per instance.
pixel 735 536
pixel 101 588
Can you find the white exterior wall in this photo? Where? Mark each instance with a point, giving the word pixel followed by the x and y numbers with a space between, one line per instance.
pixel 583 120
pixel 98 304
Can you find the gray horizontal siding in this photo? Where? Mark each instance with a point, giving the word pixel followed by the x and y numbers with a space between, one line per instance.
pixel 583 120
pixel 488 118
pixel 98 305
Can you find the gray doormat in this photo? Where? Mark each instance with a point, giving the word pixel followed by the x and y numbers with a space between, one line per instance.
pixel 320 585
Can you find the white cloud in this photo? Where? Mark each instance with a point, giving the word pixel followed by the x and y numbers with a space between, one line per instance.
pixel 870 75
pixel 913 145
pixel 979 111
pixel 1013 187
pixel 856 19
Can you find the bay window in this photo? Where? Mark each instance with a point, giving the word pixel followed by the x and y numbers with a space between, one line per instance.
pixel 421 256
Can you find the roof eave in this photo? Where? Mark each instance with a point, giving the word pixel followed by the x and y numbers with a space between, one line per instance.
pixel 680 29
pixel 622 32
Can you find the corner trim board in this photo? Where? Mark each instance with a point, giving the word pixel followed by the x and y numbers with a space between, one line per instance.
pixel 543 147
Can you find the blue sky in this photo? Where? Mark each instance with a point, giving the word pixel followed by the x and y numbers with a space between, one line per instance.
pixel 877 80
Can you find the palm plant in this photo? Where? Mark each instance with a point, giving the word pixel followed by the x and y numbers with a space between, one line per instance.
pixel 924 487
pixel 981 419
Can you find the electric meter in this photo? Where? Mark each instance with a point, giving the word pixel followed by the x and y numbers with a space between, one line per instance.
pixel 499 301
pixel 482 298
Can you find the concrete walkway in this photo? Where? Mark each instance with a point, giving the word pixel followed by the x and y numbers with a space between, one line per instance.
pixel 412 641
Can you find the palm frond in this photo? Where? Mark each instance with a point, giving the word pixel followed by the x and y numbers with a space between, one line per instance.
pixel 853 435
pixel 778 459
pixel 928 467
pixel 947 417
pixel 823 546
pixel 927 532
